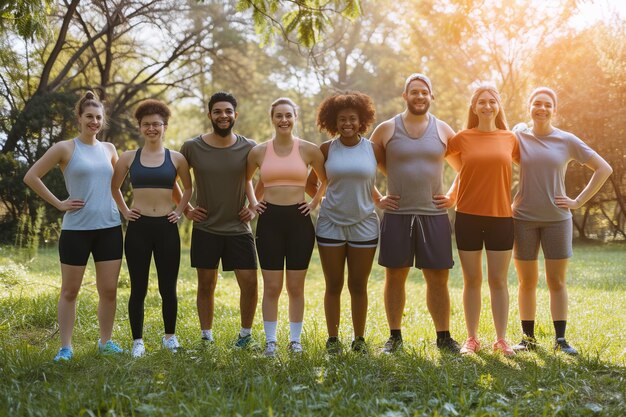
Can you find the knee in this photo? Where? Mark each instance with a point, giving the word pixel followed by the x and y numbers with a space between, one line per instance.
pixel 206 288
pixel 69 294
pixel 334 287
pixel 296 291
pixel 556 285
pixel 108 294
pixel 498 284
pixel 357 288
pixel 472 283
pixel 527 285
pixel 272 291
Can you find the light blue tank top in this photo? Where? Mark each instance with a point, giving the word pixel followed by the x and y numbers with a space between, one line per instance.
pixel 351 172
pixel 88 178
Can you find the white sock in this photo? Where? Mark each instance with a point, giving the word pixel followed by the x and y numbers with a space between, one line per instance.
pixel 270 330
pixel 245 332
pixel 207 334
pixel 295 331
pixel 140 340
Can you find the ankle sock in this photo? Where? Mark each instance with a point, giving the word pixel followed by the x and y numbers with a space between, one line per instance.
pixel 528 328
pixel 245 332
pixel 445 334
pixel 207 334
pixel 559 328
pixel 396 334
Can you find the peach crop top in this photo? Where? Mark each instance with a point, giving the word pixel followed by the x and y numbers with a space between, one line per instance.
pixel 283 170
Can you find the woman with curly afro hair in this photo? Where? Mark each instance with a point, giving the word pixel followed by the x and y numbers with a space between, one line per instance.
pixel 347 226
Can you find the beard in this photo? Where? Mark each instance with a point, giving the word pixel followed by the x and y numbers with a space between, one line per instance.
pixel 417 112
pixel 223 132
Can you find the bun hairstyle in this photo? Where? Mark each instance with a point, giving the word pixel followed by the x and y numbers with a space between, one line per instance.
pixel 88 99
pixel 542 90
pixel 472 118
pixel 284 100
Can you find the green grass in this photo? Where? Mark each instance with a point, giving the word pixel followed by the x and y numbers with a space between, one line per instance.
pixel 222 381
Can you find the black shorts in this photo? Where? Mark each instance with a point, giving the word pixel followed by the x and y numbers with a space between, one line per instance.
pixel 76 245
pixel 411 239
pixel 235 251
pixel 472 230
pixel 284 233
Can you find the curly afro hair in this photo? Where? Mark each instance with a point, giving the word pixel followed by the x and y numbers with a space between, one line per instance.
pixel 331 106
pixel 150 107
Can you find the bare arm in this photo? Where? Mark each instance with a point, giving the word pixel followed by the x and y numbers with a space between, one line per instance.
pixel 317 162
pixel 601 172
pixel 119 173
pixel 182 203
pixel 58 154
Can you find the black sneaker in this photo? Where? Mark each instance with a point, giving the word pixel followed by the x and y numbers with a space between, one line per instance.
pixel 392 346
pixel 448 344
pixel 333 346
pixel 527 343
pixel 561 344
pixel 359 345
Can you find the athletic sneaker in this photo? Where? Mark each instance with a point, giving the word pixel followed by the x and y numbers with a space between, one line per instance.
pixel 138 348
pixel 503 347
pixel 527 343
pixel 471 345
pixel 244 342
pixel 65 354
pixel 294 347
pixel 109 348
pixel 448 344
pixel 359 345
pixel 171 344
pixel 333 346
pixel 270 349
pixel 392 345
pixel 561 344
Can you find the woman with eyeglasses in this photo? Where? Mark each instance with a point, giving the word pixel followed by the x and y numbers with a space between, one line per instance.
pixel 91 223
pixel 152 227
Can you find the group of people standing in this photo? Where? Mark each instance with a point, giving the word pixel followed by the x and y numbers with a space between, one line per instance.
pixel 339 175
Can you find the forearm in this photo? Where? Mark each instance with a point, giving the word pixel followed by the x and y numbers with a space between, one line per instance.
pixel 596 182
pixel 37 185
pixel 183 203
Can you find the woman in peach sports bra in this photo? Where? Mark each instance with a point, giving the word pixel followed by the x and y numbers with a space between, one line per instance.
pixel 285 235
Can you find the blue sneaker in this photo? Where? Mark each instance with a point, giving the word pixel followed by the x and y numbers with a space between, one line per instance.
pixel 65 354
pixel 109 348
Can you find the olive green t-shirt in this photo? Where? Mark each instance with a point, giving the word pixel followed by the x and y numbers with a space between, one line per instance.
pixel 220 175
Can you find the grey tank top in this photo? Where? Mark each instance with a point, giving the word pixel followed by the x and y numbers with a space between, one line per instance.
pixel 88 178
pixel 415 168
pixel 351 172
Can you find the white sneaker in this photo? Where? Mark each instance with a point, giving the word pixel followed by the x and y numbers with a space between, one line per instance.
pixel 138 348
pixel 171 343
pixel 294 347
pixel 270 349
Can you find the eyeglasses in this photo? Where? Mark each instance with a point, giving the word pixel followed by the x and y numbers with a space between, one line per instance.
pixel 154 125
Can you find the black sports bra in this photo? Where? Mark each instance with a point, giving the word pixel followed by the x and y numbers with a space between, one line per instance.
pixel 162 176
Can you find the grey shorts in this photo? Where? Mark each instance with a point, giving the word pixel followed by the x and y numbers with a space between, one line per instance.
pixel 423 241
pixel 555 239
pixel 362 234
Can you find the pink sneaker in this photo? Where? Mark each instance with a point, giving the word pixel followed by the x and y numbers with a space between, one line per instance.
pixel 471 345
pixel 502 346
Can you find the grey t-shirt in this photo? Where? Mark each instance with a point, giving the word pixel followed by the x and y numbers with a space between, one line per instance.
pixel 543 163
pixel 220 175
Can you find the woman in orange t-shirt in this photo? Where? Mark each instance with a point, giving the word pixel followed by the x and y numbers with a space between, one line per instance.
pixel 483 154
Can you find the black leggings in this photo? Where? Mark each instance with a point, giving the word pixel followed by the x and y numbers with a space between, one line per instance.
pixel 145 236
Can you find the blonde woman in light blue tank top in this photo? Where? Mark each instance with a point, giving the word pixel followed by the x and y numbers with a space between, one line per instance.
pixel 91 223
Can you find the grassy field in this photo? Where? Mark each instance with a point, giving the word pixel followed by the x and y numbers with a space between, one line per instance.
pixel 222 381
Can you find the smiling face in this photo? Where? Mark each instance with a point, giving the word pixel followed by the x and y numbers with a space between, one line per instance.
pixel 417 97
pixel 486 107
pixel 223 116
pixel 348 123
pixel 91 120
pixel 283 118
pixel 541 108
pixel 152 128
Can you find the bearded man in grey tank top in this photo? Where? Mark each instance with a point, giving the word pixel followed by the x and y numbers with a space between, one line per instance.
pixel 418 232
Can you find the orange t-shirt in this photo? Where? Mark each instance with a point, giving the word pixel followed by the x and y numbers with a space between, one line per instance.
pixel 486 171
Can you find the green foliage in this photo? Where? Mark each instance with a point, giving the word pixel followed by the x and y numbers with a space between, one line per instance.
pixel 27 17
pixel 220 380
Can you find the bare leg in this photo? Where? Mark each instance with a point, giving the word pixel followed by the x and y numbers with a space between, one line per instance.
pixel 555 276
pixel 472 265
pixel 359 267
pixel 295 291
pixel 107 275
pixel 395 295
pixel 528 277
pixel 272 287
pixel 205 298
pixel 438 297
pixel 248 285
pixel 333 260
pixel 71 280
pixel 497 270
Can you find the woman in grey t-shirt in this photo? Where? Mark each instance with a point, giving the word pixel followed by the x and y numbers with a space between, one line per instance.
pixel 541 212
